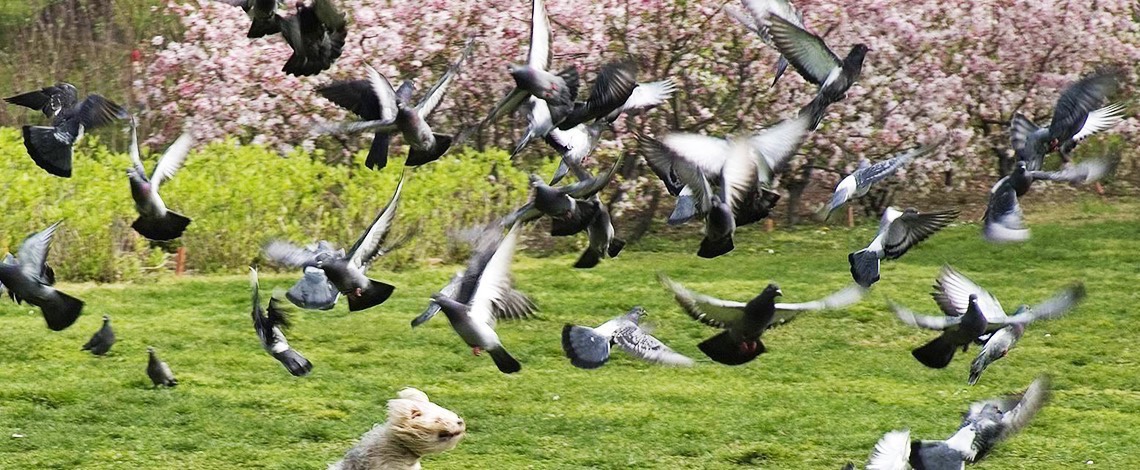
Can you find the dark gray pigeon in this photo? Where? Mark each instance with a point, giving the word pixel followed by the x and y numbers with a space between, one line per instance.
pixel 603 242
pixel 30 280
pixel 571 208
pixel 589 348
pixel 1004 220
pixel 744 323
pixel 348 272
pixel 757 10
pixel 363 97
pixel 262 12
pixel 158 371
pixel 1079 113
pixel 486 288
pixel 155 221
pixel 50 146
pixel 316 33
pixel 999 344
pixel 859 182
pixel 271 331
pixel 314 291
pixel 102 340
pixel 968 328
pixel 898 232
pixel 614 85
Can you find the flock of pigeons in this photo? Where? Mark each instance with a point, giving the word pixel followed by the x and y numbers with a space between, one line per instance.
pixel 724 182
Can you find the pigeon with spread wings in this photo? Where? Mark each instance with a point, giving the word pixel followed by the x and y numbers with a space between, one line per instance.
pixel 1004 220
pixel 1079 113
pixel 589 348
pixel 50 146
pixel 156 221
pixel 859 182
pixel 28 279
pixel 899 231
pixel 270 327
pixel 316 33
pixel 744 323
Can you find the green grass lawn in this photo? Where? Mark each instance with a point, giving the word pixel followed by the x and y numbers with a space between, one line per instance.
pixel 831 384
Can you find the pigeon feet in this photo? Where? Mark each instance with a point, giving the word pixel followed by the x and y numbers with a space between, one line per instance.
pixel 748 347
pixel 476 350
pixel 358 292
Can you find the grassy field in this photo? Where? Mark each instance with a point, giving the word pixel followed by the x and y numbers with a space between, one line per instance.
pixel 831 384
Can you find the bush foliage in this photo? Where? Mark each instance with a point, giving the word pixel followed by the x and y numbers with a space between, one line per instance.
pixel 241 196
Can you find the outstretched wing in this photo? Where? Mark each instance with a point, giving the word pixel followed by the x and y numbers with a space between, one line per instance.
pixel 839 299
pixel 289 254
pixel 911 228
pixel 538 56
pixel 494 283
pixel 368 246
pixel 435 94
pixel 637 343
pixel 952 291
pixel 929 322
pixel 805 51
pixel 711 311
pixel 33 254
pixel 172 160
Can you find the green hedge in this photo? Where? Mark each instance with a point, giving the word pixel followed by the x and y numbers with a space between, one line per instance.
pixel 240 197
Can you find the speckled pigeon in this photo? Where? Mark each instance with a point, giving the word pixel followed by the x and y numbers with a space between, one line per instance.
pixel 898 232
pixel 50 146
pixel 30 280
pixel 156 221
pixel 589 348
pixel 744 323
pixel 270 327
pixel 1079 113
pixel 102 340
pixel 865 175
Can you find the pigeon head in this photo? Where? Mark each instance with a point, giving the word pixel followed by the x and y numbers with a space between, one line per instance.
pixel 853 63
pixel 1021 168
pixel 150 350
pixel 772 291
pixel 106 318
pixel 636 314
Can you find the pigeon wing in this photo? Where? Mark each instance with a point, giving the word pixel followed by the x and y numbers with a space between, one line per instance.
pixel 777 144
pixel 877 172
pixel 435 94
pixel 717 313
pixel 839 299
pixel 356 96
pixel 952 291
pixel 97 111
pixel 133 150
pixel 1099 120
pixel 33 254
pixel 929 322
pixel 368 246
pixel 494 282
pixel 172 160
pixel 538 56
pixel 648 95
pixel 892 452
pixel 910 229
pixel 637 343
pixel 1054 307
pixel 805 51
pixel 586 188
pixel 289 254
pixel 1078 100
pixel 1085 171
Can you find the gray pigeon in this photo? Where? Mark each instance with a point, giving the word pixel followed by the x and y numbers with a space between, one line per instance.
pixel 999 344
pixel 158 371
pixel 744 323
pixel 571 208
pixel 939 351
pixel 348 272
pixel 50 146
pixel 997 419
pixel 859 182
pixel 603 243
pixel 314 291
pixel 486 288
pixel 30 280
pixel 757 10
pixel 155 221
pixel 1004 221
pixel 612 88
pixel 363 97
pixel 574 146
pixel 270 330
pixel 102 340
pixel 316 33
pixel 589 348
pixel 262 12
pixel 898 232
pixel 1079 113
pixel 449 290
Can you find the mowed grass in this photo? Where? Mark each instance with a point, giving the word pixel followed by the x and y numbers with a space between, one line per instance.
pixel 831 384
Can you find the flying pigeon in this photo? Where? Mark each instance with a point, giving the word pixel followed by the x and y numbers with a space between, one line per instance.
pixel 574 146
pixel 984 425
pixel 348 272
pixel 158 371
pixel 486 288
pixel 1079 113
pixel 898 232
pixel 532 80
pixel 155 221
pixel 938 352
pixel 50 146
pixel 374 98
pixel 995 348
pixel 814 61
pixel 613 87
pixel 314 291
pixel 589 348
pixel 859 182
pixel 1004 221
pixel 102 340
pixel 603 243
pixel 30 280
pixel 316 33
pixel 757 10
pixel 571 207
pixel 270 330
pixel 744 323
pixel 262 12
pixel 952 293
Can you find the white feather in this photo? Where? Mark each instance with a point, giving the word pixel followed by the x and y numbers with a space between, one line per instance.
pixel 892 452
pixel 1101 120
pixel 384 93
pixel 495 281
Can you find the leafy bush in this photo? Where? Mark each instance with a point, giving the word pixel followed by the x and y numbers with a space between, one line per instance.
pixel 241 196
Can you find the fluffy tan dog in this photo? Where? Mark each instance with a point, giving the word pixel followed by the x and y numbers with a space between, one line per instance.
pixel 416 427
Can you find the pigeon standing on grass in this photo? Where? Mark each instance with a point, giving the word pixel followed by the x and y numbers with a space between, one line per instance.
pixel 859 182
pixel 348 272
pixel 316 33
pixel 155 221
pixel 158 371
pixel 30 280
pixel 744 323
pixel 898 232
pixel 102 340
pixel 485 293
pixel 263 14
pixel 589 348
pixel 270 330
pixel 1079 113
pixel 50 146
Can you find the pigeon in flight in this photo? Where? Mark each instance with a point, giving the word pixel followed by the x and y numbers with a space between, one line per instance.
pixel 316 33
pixel 898 232
pixel 571 207
pixel 814 61
pixel 158 371
pixel 1079 113
pixel 613 87
pixel 102 340
pixel 155 221
pixel 485 288
pixel 314 291
pixel 744 323
pixel 952 293
pixel 270 330
pixel 263 13
pixel 859 182
pixel 574 146
pixel 757 10
pixel 938 352
pixel 999 344
pixel 50 146
pixel 985 424
pixel 589 348
pixel 558 91
pixel 348 272
pixel 48 275
pixel 374 99
pixel 29 279
pixel 1004 221
pixel 603 243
